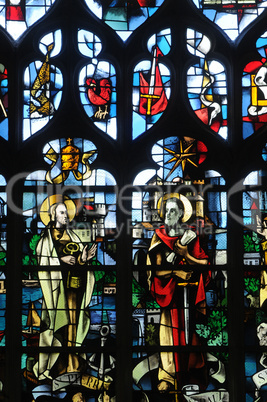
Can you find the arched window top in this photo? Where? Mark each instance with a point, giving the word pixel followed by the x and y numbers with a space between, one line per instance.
pixel 43 83
pixel 207 85
pixel 16 16
pixel 151 84
pixel 254 95
pixel 231 16
pixel 124 17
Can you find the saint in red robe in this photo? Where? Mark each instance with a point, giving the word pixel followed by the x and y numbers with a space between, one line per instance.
pixel 168 290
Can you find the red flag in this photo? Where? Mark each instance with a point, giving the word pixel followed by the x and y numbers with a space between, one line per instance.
pixel 156 102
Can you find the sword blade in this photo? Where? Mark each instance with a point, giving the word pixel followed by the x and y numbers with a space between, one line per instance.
pixel 153 74
pixel 186 315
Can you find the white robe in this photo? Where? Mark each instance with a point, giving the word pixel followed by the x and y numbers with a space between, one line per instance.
pixel 55 305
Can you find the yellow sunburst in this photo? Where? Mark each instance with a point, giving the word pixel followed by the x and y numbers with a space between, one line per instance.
pixel 180 158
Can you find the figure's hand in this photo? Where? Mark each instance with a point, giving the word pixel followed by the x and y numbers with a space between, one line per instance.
pixel 179 249
pixel 87 255
pixel 69 259
pixel 183 274
pixel 92 252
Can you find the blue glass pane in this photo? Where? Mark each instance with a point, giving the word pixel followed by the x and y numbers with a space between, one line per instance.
pixel 151 85
pixel 254 96
pixel 124 17
pixel 231 16
pixel 17 16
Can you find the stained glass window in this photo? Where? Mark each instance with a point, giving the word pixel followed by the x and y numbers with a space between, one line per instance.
pixel 169 310
pixel 97 83
pixel 124 17
pixel 133 200
pixel 43 86
pixel 254 91
pixel 151 84
pixel 18 15
pixel 232 16
pixel 206 83
pixel 3 277
pixel 74 232
pixel 254 215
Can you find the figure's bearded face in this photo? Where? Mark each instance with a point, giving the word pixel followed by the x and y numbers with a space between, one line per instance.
pixel 172 213
pixel 61 216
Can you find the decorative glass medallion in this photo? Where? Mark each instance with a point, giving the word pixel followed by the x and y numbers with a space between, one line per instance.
pixel 124 17
pixel 232 16
pixel 16 16
pixel 151 84
pixel 206 85
pixel 97 85
pixel 43 84
pixel 254 96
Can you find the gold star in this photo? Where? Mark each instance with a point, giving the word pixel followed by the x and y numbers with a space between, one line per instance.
pixel 180 158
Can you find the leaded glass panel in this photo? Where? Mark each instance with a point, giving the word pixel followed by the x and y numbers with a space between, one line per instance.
pixel 179 296
pixel 16 16
pixel 151 84
pixel 124 17
pixel 68 295
pixel 232 16
pixel 97 85
pixel 43 84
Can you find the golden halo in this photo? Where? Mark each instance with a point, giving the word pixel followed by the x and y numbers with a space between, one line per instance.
pixel 188 210
pixel 55 199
